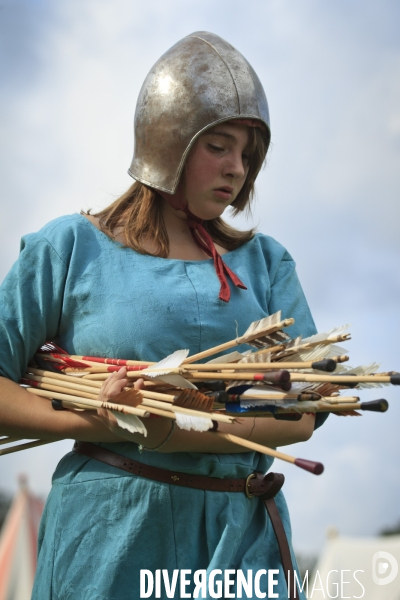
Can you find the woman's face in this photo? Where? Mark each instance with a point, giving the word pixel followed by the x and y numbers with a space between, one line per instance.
pixel 216 170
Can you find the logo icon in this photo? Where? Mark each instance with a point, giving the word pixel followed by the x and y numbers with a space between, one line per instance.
pixel 381 573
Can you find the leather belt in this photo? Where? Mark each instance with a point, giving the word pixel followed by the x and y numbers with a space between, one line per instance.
pixel 256 484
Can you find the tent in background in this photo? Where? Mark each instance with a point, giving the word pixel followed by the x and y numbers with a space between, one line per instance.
pixel 359 567
pixel 18 540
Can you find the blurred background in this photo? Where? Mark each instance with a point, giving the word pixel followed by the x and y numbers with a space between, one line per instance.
pixel 70 73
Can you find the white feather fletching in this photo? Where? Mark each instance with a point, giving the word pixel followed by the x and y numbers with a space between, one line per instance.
pixel 306 386
pixel 262 324
pixel 262 356
pixel 227 358
pixel 161 370
pixel 266 390
pixel 172 361
pixel 259 390
pixel 298 387
pixel 319 337
pixel 314 354
pixel 175 380
pixel 193 423
pixel 130 422
pixel 362 370
pixel 77 374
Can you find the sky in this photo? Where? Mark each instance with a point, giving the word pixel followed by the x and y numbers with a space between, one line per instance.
pixel 70 74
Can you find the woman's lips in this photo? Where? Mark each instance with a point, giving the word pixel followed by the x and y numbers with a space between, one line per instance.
pixel 225 193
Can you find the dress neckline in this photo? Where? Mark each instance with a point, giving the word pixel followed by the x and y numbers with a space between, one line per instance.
pixel 104 236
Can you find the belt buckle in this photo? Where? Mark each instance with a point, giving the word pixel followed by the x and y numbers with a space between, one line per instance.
pixel 246 490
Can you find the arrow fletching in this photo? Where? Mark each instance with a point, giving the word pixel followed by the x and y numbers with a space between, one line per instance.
pixel 266 332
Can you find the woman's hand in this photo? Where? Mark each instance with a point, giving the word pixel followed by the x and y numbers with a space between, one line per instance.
pixel 114 385
pixel 109 392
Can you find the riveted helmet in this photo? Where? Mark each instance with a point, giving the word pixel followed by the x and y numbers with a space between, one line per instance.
pixel 199 82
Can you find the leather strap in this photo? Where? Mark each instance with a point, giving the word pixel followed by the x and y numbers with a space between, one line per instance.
pixel 256 484
pixel 277 480
pixel 200 482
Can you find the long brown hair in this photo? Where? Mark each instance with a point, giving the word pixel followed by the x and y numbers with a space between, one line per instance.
pixel 139 210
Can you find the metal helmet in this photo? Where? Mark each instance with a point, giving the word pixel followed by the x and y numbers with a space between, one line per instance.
pixel 199 82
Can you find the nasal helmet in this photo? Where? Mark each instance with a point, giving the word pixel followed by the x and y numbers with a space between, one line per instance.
pixel 198 83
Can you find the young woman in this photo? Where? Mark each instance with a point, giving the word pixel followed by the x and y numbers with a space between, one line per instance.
pixel 137 281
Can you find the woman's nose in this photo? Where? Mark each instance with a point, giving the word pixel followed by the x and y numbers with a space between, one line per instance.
pixel 235 166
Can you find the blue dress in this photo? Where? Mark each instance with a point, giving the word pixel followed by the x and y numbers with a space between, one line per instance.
pixel 101 526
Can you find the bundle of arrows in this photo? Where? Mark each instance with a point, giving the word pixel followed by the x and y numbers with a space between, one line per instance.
pixel 282 379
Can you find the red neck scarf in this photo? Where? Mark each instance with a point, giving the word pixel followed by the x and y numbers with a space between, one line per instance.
pixel 201 236
pixel 205 242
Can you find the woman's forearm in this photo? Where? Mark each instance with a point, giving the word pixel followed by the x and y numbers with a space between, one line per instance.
pixel 29 416
pixel 265 431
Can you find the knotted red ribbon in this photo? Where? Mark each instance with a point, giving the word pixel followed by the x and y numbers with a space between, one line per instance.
pixel 205 242
pixel 199 233
pixel 203 239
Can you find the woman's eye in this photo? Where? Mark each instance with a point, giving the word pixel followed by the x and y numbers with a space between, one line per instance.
pixel 215 148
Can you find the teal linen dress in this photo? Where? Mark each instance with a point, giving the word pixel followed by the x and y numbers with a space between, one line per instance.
pixel 101 526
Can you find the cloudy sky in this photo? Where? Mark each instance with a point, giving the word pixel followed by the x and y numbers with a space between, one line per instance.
pixel 70 73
